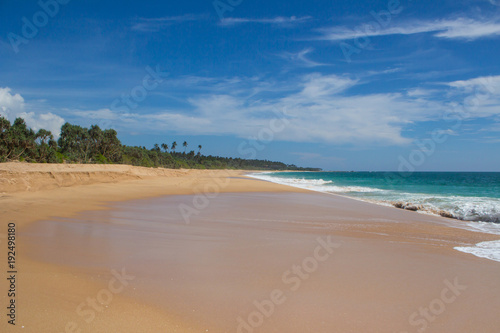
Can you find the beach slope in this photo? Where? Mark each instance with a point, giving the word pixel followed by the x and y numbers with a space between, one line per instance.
pixel 244 244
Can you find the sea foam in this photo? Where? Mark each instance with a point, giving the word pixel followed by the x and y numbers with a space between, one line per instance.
pixel 488 250
pixel 318 185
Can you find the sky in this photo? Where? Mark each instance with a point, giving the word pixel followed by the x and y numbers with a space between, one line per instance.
pixel 341 85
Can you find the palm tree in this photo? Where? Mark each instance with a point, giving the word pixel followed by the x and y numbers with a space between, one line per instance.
pixel 165 147
pixel 199 148
pixel 185 144
pixel 173 146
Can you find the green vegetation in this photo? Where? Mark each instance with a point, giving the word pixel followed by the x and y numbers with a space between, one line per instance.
pixel 94 145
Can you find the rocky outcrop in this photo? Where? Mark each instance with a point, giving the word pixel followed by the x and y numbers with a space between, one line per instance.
pixel 407 206
pixel 412 207
pixel 446 214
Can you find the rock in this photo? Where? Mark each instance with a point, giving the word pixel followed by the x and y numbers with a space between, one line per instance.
pixel 447 214
pixel 408 206
pixel 399 205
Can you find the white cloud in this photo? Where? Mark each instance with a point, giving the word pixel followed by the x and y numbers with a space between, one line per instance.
pixel 484 83
pixel 307 156
pixel 480 96
pixel 280 21
pixel 317 111
pixel 10 103
pixel 300 58
pixel 459 28
pixel 105 114
pixel 315 107
pixel 384 72
pixel 48 121
pixel 157 24
pixel 13 106
pixel 420 92
pixel 468 29
pixel 448 131
pixel 317 85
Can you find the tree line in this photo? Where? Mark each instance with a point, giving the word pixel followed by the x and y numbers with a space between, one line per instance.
pixel 78 144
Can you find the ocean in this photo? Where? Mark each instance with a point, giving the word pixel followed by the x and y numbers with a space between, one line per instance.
pixel 469 196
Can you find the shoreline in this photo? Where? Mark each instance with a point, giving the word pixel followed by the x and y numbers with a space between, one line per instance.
pixel 484 249
pixel 398 204
pixel 72 201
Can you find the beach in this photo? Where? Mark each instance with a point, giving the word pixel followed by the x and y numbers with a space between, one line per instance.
pixel 128 249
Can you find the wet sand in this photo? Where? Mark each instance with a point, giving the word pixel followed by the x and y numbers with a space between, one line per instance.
pixel 256 257
pixel 49 294
pixel 328 266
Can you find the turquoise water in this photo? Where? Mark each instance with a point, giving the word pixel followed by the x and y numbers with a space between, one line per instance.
pixel 471 196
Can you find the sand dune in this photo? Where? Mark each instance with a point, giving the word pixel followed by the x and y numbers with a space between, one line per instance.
pixel 18 177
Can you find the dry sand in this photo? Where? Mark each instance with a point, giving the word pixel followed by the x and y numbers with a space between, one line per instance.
pixel 204 275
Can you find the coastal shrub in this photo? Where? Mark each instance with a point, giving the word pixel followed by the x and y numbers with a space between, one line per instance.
pixel 60 157
pixel 85 145
pixel 101 159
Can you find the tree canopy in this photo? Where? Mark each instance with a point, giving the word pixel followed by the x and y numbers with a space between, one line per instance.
pixel 78 144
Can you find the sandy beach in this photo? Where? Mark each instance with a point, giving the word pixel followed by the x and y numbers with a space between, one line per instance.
pixel 115 248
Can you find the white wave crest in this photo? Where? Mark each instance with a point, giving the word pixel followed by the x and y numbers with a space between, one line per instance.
pixel 478 209
pixel 318 185
pixel 486 227
pixel 488 250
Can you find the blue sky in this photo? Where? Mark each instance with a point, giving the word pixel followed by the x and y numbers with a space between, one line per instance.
pixel 341 85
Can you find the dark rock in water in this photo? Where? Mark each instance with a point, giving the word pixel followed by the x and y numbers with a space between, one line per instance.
pixel 399 205
pixel 414 208
pixel 407 206
pixel 447 214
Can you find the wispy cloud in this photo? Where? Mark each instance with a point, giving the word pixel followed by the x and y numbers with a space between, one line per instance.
pixel 448 131
pixel 384 72
pixel 490 83
pixel 279 21
pixel 319 108
pixel 482 95
pixel 156 24
pixel 300 58
pixel 459 28
pixel 421 92
pixel 307 156
pixel 317 85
